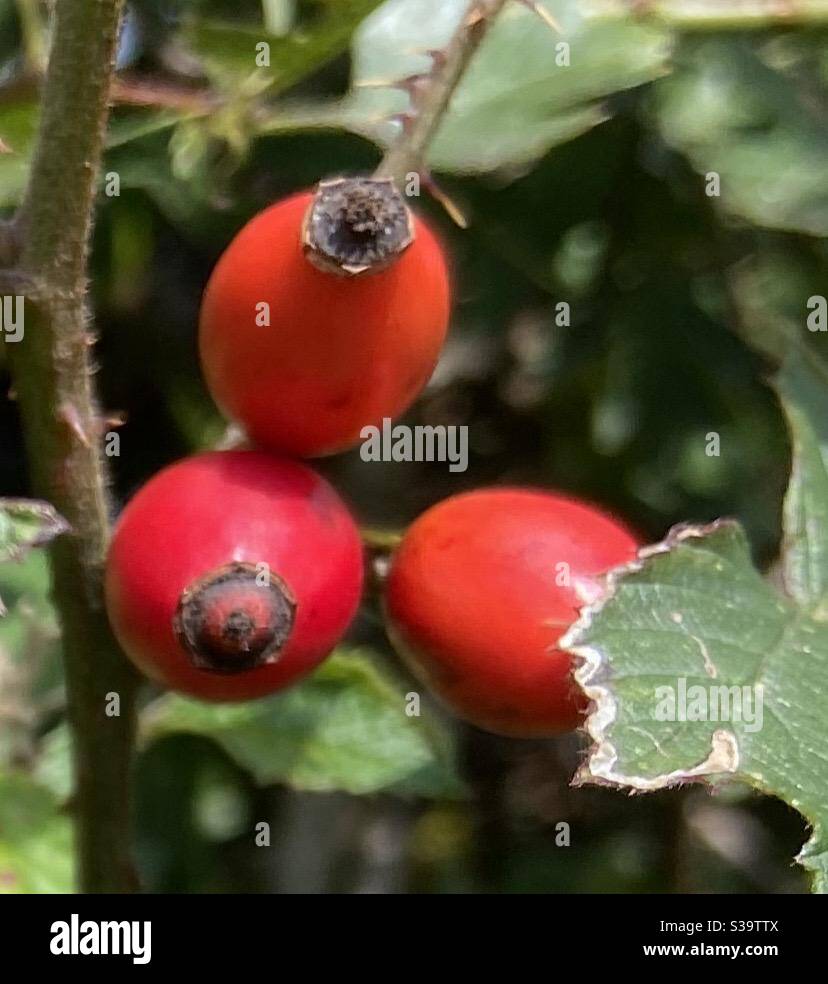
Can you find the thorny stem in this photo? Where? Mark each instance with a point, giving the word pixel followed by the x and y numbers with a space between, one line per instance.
pixel 407 153
pixel 52 378
pixel 432 93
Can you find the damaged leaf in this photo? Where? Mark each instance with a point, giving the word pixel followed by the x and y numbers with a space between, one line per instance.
pixel 24 524
pixel 698 669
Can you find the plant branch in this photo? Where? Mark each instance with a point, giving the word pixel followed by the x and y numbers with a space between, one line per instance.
pixel 718 15
pixel 53 381
pixel 407 154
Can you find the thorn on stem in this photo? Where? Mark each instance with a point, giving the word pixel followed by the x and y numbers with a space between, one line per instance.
pixel 475 16
pixel 544 14
pixel 406 120
pixel 376 84
pixel 450 207
pixel 110 421
pixel 408 84
pixel 437 56
pixel 68 413
pixel 412 85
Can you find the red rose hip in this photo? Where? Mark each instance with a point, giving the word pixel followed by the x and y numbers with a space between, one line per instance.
pixel 325 314
pixel 232 574
pixel 479 592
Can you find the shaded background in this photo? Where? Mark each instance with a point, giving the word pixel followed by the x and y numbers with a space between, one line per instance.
pixel 594 195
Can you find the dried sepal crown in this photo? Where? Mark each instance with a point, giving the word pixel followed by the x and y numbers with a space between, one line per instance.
pixel 356 225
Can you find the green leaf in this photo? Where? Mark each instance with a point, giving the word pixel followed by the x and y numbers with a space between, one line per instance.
pixel 803 390
pixel 752 111
pixel 18 124
pixel 54 766
pixel 229 51
pixel 24 524
pixel 719 15
pixel 344 728
pixel 35 839
pixel 18 128
pixel 693 617
pixel 519 97
pixel 27 523
pixel 124 127
pixel 770 289
pixel 31 672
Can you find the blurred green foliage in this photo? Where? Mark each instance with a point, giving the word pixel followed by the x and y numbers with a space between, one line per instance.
pixel 346 728
pixel 585 186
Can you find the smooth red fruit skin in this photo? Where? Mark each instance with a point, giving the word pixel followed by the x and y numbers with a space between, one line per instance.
pixel 340 353
pixel 473 605
pixel 213 509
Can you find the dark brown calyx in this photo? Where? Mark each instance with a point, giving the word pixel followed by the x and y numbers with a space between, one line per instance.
pixel 356 225
pixel 235 618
